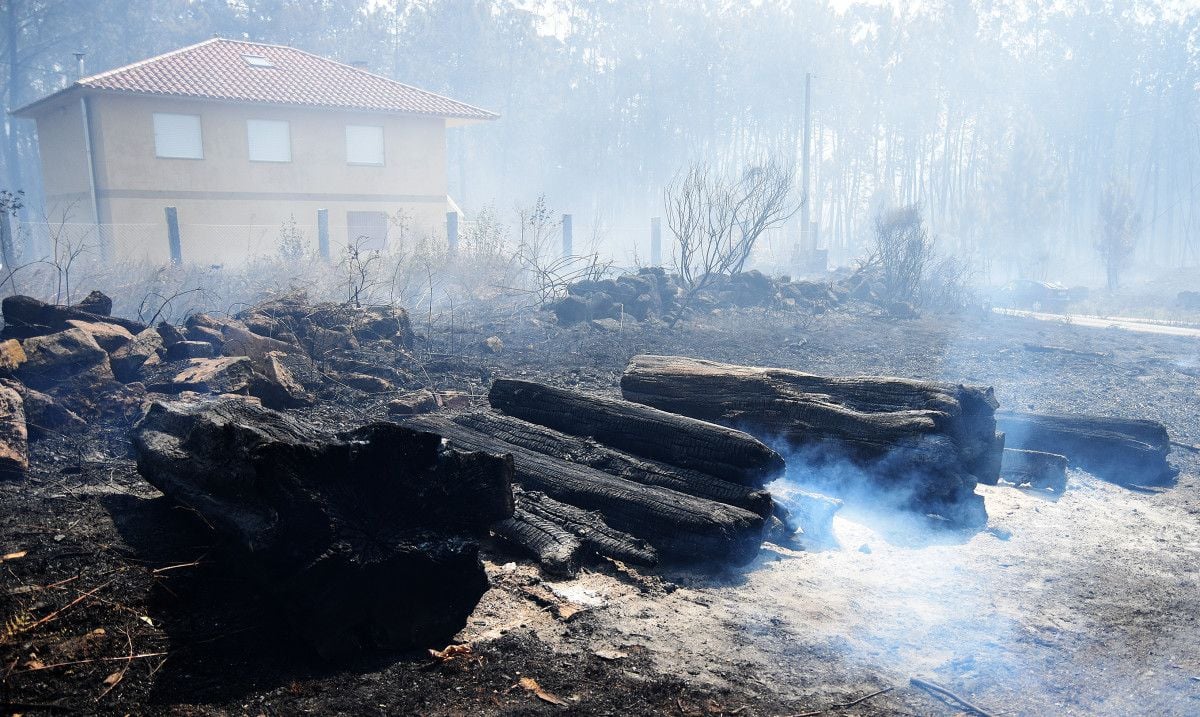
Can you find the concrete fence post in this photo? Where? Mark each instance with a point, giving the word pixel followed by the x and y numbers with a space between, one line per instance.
pixel 566 237
pixel 323 233
pixel 452 233
pixel 655 241
pixel 173 243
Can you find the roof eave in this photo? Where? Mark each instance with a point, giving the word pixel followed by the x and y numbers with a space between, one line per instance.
pixel 30 111
pixel 26 111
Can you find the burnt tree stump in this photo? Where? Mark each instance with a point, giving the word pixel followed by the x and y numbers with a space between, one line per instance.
pixel 365 537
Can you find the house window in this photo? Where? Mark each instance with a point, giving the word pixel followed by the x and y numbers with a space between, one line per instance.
pixel 269 140
pixel 177 136
pixel 364 144
pixel 367 230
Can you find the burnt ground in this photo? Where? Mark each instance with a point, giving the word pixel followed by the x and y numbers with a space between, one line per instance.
pixel 115 601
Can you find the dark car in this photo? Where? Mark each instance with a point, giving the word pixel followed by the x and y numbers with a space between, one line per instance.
pixel 1034 295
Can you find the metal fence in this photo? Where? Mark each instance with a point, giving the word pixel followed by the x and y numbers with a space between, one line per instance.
pixel 627 246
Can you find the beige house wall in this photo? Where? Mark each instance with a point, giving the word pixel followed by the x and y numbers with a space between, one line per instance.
pixel 231 208
pixel 64 162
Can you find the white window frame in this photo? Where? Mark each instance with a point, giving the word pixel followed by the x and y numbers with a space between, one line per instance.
pixel 159 133
pixel 382 148
pixel 262 124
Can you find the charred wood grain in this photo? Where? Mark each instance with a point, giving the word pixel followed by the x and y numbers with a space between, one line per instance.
pixel 595 455
pixel 681 527
pixel 932 440
pixel 641 430
pixel 365 537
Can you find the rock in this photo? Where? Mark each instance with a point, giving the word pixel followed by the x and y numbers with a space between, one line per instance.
pixel 274 384
pixel 96 303
pixel 493 344
pixel 60 356
pixel 205 375
pixel 11 355
pixel 127 361
pixel 280 389
pixel 42 413
pixel 390 323
pixel 170 335
pixel 110 336
pixel 25 316
pixel 363 382
pixel 239 341
pixel 571 310
pixel 14 438
pixel 184 350
pixel 453 400
pixel 413 403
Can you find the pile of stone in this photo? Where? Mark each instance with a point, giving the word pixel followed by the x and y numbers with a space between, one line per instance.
pixel 62 366
pixel 654 294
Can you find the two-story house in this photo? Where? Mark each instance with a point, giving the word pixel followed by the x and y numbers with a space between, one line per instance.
pixel 237 134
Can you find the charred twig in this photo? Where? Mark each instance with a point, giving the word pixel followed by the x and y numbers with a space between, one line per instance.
pixel 845 705
pixel 943 693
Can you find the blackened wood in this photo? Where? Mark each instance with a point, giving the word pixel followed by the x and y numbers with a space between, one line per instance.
pixel 589 527
pixel 365 537
pixel 555 548
pixel 932 440
pixel 1035 468
pixel 1122 450
pixel 641 430
pixel 640 470
pixel 682 527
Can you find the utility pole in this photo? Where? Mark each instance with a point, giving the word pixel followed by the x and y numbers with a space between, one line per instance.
pixel 804 162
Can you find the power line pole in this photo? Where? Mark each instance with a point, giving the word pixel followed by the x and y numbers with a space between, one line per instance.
pixel 804 166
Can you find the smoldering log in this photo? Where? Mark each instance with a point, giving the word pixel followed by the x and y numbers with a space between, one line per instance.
pixel 933 440
pixel 641 430
pixel 640 470
pixel 365 538
pixel 1035 468
pixel 1122 450
pixel 681 527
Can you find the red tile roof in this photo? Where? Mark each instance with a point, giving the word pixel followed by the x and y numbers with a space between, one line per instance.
pixel 218 69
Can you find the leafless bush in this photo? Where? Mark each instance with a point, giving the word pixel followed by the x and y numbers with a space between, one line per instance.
pixel 900 254
pixel 547 274
pixel 904 262
pixel 716 222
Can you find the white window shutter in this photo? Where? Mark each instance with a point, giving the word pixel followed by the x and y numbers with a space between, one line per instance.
pixel 364 144
pixel 177 136
pixel 269 140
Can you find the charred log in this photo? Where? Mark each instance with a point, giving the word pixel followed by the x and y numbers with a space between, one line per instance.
pixel 927 442
pixel 589 527
pixel 1122 450
pixel 641 430
pixel 681 527
pixel 1035 468
pixel 560 536
pixel 365 537
pixel 639 470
